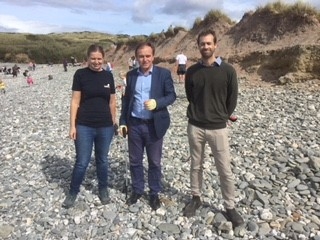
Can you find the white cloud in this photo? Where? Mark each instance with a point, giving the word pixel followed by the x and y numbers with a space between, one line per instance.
pixel 141 11
pixel 10 23
pixel 16 25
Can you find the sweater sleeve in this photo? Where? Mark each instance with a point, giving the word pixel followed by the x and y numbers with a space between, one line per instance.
pixel 232 92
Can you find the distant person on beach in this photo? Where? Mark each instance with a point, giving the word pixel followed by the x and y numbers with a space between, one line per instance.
pixel 30 66
pixel 133 63
pixel 92 119
pixel 109 67
pixel 2 86
pixel 15 70
pixel 25 73
pixel 73 61
pixel 212 89
pixel 65 65
pixel 8 71
pixel 123 83
pixel 145 117
pixel 181 64
pixel 30 80
pixel 130 62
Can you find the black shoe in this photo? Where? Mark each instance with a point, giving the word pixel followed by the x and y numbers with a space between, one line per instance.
pixel 104 196
pixel 192 206
pixel 234 217
pixel 154 202
pixel 69 201
pixel 133 198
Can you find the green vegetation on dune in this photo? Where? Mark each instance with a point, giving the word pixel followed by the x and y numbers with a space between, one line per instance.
pixel 297 9
pixel 21 48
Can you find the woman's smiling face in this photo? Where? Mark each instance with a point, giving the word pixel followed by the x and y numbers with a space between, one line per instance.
pixel 95 61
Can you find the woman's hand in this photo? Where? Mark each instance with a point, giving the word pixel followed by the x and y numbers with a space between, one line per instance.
pixel 72 133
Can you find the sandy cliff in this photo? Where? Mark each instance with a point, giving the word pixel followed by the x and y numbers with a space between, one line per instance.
pixel 264 46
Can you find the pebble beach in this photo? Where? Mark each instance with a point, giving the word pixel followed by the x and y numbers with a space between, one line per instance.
pixel 275 159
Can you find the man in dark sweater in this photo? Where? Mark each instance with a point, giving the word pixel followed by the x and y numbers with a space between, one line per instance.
pixel 212 89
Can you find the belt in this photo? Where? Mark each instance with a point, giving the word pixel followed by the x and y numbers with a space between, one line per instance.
pixel 141 120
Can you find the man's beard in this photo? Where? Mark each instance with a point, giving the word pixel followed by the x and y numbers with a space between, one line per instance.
pixel 206 54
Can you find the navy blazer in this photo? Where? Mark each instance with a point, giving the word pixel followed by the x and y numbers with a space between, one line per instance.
pixel 162 90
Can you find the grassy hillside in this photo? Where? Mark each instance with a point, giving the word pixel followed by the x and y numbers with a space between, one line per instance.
pixel 22 48
pixel 54 47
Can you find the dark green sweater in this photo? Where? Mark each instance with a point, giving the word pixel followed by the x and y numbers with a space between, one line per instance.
pixel 212 92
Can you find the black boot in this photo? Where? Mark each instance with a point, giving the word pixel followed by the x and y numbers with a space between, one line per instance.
pixel 154 202
pixel 104 196
pixel 192 206
pixel 234 217
pixel 133 198
pixel 69 201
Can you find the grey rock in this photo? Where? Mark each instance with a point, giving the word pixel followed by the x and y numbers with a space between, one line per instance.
pixel 301 187
pixel 169 228
pixel 253 227
pixel 219 217
pixel 297 227
pixel 262 198
pixel 293 183
pixel 264 229
pixel 5 230
pixel 315 162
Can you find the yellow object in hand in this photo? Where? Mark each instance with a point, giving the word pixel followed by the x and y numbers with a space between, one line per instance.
pixel 151 104
pixel 123 131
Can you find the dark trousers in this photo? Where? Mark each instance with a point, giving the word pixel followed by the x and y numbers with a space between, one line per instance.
pixel 141 135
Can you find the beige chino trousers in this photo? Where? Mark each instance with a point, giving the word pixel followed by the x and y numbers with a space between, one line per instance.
pixel 219 143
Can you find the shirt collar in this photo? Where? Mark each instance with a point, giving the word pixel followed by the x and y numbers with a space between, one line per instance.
pixel 141 73
pixel 217 61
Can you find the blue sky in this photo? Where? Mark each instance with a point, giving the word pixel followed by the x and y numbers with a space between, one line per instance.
pixel 131 17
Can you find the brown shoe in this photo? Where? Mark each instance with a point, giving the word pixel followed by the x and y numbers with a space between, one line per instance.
pixel 234 217
pixel 192 206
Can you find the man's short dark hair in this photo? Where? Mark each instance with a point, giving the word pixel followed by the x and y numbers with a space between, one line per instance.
pixel 145 44
pixel 207 32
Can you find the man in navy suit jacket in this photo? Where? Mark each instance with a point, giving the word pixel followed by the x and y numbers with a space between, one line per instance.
pixel 145 117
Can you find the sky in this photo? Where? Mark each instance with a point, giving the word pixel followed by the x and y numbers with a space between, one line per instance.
pixel 132 17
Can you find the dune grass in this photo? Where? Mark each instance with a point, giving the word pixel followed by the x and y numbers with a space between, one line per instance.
pixel 297 9
pixel 43 48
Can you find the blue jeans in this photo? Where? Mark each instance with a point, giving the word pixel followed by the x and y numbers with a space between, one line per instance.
pixel 86 137
pixel 140 137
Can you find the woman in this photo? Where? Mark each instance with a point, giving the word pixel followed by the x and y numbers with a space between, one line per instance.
pixel 92 116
